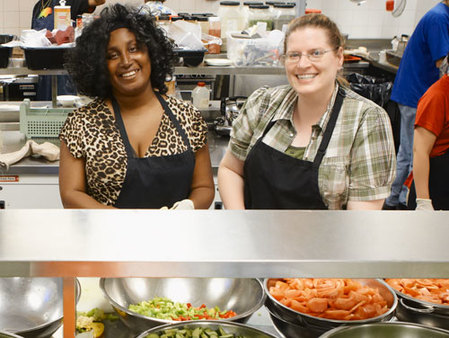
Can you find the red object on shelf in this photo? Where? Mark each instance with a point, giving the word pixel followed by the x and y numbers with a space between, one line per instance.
pixel 351 58
pixel 312 10
pixel 389 5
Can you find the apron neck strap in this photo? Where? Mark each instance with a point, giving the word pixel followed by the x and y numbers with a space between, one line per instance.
pixel 174 120
pixel 329 128
pixel 121 127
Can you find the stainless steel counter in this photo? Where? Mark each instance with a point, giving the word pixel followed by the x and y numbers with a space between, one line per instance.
pixel 223 243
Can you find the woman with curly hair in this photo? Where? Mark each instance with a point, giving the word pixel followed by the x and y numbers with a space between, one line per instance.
pixel 132 146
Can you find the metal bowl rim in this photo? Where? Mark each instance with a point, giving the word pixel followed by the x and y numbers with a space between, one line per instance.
pixel 395 323
pixel 47 324
pixel 423 303
pixel 9 334
pixel 203 323
pixel 258 305
pixel 335 321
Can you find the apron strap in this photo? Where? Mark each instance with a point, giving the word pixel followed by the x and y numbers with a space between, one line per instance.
pixel 329 128
pixel 121 126
pixel 327 133
pixel 174 120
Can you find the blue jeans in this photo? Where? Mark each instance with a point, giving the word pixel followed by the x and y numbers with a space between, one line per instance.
pixel 405 157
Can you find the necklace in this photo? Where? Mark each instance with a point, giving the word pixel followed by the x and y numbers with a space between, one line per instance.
pixel 45 4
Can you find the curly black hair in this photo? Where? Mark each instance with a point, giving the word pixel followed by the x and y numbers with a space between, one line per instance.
pixel 86 62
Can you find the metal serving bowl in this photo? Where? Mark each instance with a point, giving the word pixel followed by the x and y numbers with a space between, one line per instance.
pixel 230 327
pixel 419 311
pixel 294 324
pixel 8 335
pixel 243 296
pixel 32 307
pixel 386 330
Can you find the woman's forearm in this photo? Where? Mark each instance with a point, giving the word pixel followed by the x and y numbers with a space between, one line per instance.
pixel 80 200
pixel 202 197
pixel 421 169
pixel 230 182
pixel 230 187
pixel 423 143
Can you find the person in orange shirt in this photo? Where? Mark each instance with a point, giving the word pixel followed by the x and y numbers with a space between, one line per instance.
pixel 430 189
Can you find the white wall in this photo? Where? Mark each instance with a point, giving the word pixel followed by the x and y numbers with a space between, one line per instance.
pixel 370 20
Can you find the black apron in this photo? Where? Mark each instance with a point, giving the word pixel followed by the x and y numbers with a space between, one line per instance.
pixel 154 182
pixel 438 184
pixel 275 180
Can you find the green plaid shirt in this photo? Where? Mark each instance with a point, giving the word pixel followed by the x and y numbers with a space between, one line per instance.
pixel 359 164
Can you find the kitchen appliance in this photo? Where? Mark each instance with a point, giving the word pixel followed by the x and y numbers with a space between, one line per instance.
pixel 21 88
pixel 241 295
pixel 229 109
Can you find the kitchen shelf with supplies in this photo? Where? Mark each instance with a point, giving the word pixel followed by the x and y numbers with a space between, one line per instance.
pixel 200 70
pixel 243 244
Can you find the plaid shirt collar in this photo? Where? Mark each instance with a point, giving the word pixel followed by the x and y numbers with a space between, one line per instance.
pixel 284 110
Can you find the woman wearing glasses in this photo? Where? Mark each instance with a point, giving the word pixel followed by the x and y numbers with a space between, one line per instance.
pixel 312 144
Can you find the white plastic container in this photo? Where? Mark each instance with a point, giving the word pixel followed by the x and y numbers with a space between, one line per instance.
pixel 260 13
pixel 231 16
pixel 62 16
pixel 201 96
pixel 283 14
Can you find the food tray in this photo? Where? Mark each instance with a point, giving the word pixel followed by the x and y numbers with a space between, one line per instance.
pixel 41 122
pixel 45 57
pixel 5 53
pixel 393 57
pixel 190 58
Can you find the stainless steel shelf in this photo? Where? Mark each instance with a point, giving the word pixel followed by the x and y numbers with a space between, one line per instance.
pixel 27 71
pixel 123 243
pixel 200 70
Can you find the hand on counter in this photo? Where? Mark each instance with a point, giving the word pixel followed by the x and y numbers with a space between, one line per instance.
pixel 181 205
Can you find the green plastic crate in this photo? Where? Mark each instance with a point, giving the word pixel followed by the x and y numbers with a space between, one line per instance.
pixel 42 122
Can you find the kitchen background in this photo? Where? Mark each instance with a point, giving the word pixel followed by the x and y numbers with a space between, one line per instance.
pixel 369 20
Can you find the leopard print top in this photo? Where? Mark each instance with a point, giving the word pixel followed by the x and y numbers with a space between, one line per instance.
pixel 90 133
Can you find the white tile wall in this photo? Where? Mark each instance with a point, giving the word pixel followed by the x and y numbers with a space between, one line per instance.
pixel 369 20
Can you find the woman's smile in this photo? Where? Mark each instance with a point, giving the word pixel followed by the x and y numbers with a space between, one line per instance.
pixel 130 75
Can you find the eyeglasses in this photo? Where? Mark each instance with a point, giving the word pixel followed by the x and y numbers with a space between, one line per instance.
pixel 314 56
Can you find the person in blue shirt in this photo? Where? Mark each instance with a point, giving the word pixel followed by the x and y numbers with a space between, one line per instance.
pixel 418 70
pixel 43 18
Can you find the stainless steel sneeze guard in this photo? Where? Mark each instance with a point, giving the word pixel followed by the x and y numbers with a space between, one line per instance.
pixel 153 243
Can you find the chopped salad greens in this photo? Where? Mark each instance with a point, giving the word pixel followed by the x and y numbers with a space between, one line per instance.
pixel 164 308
